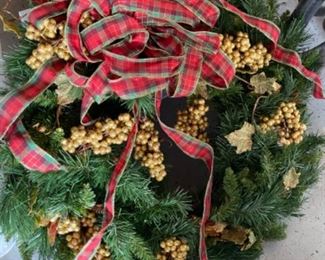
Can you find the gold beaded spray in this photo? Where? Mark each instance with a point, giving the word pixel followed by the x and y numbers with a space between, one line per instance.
pixel 240 50
pixel 50 42
pixel 173 248
pixel 100 137
pixel 147 150
pixel 68 225
pixel 193 120
pixel 286 121
pixel 50 37
pixel 78 231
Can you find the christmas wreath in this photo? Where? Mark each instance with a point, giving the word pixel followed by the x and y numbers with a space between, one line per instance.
pixel 166 129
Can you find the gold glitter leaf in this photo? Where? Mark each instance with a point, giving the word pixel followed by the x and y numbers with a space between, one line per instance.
pixel 242 138
pixel 291 179
pixel 202 89
pixel 263 84
pixel 10 24
pixel 241 236
pixel 215 229
pixel 251 239
pixel 66 92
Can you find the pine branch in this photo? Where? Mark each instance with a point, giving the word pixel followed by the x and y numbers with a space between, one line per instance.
pixel 144 104
pixel 232 197
pixel 275 231
pixel 134 189
pixel 228 251
pixel 141 249
pixel 15 69
pixel 171 207
pixel 120 238
pixel 14 203
pixel 293 35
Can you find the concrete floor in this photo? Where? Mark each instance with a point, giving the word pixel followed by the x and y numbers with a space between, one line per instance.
pixel 306 235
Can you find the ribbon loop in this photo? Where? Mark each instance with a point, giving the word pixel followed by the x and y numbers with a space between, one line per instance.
pixel 218 70
pixel 14 103
pixel 110 29
pixel 191 72
pixel 28 153
pixel 169 9
pixel 38 14
pixel 72 35
pixel 204 9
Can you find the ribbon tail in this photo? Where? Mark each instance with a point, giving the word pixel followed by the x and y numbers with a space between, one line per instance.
pixel 293 60
pixel 90 248
pixel 197 150
pixel 269 29
pixel 13 104
pixel 218 70
pixel 28 153
pixel 52 232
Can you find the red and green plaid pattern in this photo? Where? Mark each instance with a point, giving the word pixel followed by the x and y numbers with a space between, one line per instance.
pixel 90 248
pixel 28 153
pixel 175 59
pixel 171 10
pixel 291 58
pixel 100 35
pixel 203 9
pixel 14 103
pixel 11 129
pixel 72 33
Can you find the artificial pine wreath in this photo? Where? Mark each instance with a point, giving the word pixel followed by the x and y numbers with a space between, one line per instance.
pixel 112 106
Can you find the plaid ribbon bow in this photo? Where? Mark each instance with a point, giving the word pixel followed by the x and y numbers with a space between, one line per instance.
pixel 176 58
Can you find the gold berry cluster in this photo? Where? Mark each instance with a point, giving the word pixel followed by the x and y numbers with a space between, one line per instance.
pixel 40 55
pixel 51 42
pixel 50 36
pixel 240 50
pixel 286 121
pixel 103 253
pixel 86 19
pixel 77 232
pixel 91 231
pixel 74 241
pixel 68 225
pixel 99 137
pixel 147 150
pixel 193 120
pixel 89 220
pixel 173 248
pixel 62 51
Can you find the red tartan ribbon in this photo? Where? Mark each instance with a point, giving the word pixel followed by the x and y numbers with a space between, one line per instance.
pixel 176 57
